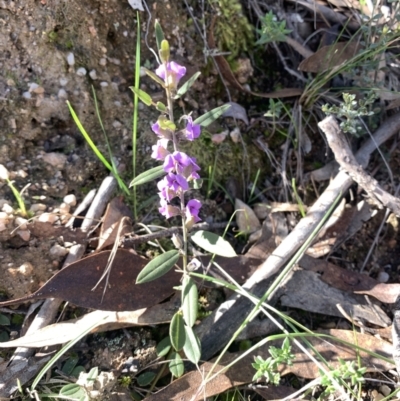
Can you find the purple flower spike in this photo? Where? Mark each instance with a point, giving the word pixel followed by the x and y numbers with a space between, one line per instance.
pixel 192 131
pixel 175 73
pixel 160 151
pixel 192 210
pixel 182 164
pixel 161 133
pixel 172 185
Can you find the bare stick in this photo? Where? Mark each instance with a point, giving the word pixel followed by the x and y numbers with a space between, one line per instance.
pixel 344 156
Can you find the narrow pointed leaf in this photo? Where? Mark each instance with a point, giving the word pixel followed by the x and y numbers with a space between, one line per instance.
pixel 159 266
pixel 192 346
pixel 159 34
pixel 154 76
pixel 186 86
pixel 177 332
pixel 176 365
pixel 147 176
pixel 206 119
pixel 143 96
pixel 163 347
pixel 189 301
pixel 213 243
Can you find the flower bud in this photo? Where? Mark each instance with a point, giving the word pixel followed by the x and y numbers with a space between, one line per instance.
pixel 164 51
pixel 4 174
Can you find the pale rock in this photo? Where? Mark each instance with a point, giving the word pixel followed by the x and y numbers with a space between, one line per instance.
pixel 63 81
pixel 27 95
pixel 24 234
pixel 235 135
pixel 26 269
pixel 22 173
pixel 48 218
pixel 21 223
pixel 81 71
pixel 55 159
pixel 70 199
pixel 93 74
pixel 33 86
pixel 2 225
pixel 58 251
pixel 71 59
pixel 7 208
pixel 383 277
pixel 64 208
pixel 103 61
pixel 103 84
pixel 37 207
pixel 62 94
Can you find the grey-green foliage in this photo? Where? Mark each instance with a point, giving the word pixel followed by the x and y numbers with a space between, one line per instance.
pixel 351 110
pixel 347 370
pixel 272 30
pixel 269 367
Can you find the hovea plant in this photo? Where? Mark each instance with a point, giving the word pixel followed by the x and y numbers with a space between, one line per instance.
pixel 177 175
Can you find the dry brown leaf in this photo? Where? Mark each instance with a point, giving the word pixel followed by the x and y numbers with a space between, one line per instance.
pixel 329 57
pixel 115 223
pixel 305 290
pixel 246 219
pixel 60 333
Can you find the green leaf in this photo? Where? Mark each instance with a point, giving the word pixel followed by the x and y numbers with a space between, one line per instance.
pixel 192 346
pixel 158 267
pixel 143 96
pixel 176 365
pixel 73 391
pixel 165 123
pixel 163 347
pixel 206 119
pixel 69 365
pixel 147 176
pixel 4 320
pixel 145 378
pixel 177 332
pixel 159 34
pixel 189 301
pixel 213 243
pixel 186 86
pixel 161 107
pixel 154 76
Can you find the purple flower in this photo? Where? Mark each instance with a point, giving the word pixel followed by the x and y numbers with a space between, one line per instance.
pixel 160 151
pixel 167 210
pixel 175 73
pixel 161 133
pixel 172 185
pixel 192 131
pixel 182 164
pixel 192 210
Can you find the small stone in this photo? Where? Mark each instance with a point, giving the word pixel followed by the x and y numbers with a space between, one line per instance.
pixel 62 94
pixel 58 251
pixel 39 90
pixel 48 218
pixel 70 199
pixel 21 223
pixel 7 208
pixel 55 159
pixel 81 72
pixel 63 81
pixel 22 173
pixel 385 390
pixel 24 234
pixel 103 84
pixel 64 208
pixel 4 174
pixel 26 269
pixel 116 124
pixel 33 86
pixel 383 277
pixel 71 59
pixel 3 226
pixel 375 396
pixel 37 207
pixel 27 95
pixel 103 61
pixel 93 74
pixel 235 135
